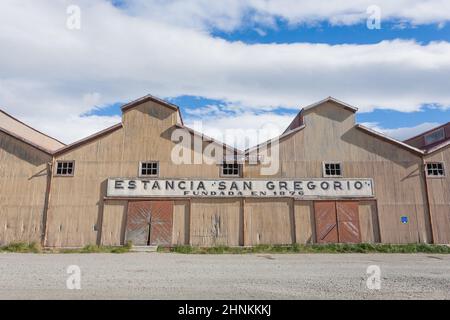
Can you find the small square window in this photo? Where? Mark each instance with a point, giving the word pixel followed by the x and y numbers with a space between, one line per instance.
pixel 231 169
pixel 149 169
pixel 332 170
pixel 435 169
pixel 65 168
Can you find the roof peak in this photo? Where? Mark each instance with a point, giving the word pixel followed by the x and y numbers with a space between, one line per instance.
pixel 332 99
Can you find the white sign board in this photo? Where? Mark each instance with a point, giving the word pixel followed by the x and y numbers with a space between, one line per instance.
pixel 298 188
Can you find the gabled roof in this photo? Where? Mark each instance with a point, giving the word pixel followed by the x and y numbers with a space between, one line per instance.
pixel 115 127
pixel 24 132
pixel 279 138
pixel 209 139
pixel 389 139
pixel 431 148
pixel 426 132
pixel 298 119
pixel 438 147
pixel 131 105
pixel 150 97
pixel 330 99
pixel 297 125
pixel 88 139
pixel 26 141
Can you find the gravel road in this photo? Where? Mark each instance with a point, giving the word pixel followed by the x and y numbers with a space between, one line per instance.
pixel 259 276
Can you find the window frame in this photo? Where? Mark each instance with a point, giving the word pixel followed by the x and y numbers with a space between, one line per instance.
pixel 433 176
pixel 140 175
pixel 324 172
pixel 238 175
pixel 440 130
pixel 56 174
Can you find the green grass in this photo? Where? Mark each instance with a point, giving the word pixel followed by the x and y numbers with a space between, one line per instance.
pixel 36 248
pixel 22 248
pixel 98 249
pixel 314 248
pixel 296 248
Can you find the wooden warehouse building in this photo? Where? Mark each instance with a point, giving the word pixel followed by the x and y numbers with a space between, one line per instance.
pixel 333 181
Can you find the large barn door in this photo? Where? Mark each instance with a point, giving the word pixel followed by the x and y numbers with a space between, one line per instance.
pixel 326 222
pixel 150 223
pixel 161 223
pixel 348 222
pixel 337 222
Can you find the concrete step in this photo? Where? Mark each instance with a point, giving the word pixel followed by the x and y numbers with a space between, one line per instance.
pixel 144 248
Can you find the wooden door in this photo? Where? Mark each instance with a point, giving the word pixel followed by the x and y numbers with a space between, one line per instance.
pixel 150 223
pixel 348 222
pixel 337 222
pixel 161 224
pixel 326 222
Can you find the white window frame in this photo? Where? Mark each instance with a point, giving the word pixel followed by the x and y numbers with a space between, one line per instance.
pixel 62 162
pixel 438 176
pixel 238 175
pixel 149 175
pixel 325 175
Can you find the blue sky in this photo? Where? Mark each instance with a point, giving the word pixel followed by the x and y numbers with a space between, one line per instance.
pixel 386 119
pixel 233 64
pixel 331 34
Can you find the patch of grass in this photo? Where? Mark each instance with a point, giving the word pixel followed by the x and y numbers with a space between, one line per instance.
pixel 98 249
pixel 22 248
pixel 36 248
pixel 313 248
pixel 268 249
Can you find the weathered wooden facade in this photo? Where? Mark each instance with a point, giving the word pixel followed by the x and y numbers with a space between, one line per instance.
pixel 335 181
pixel 25 155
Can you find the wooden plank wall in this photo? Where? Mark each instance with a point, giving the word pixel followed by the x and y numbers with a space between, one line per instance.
pixel 215 223
pixel 23 182
pixel 114 222
pixel 368 222
pixel 181 223
pixel 330 135
pixel 439 191
pixel 212 223
pixel 268 221
pixel 304 222
pixel 76 203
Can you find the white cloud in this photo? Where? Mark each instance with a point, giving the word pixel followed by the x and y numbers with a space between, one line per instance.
pixel 228 15
pixel 50 75
pixel 242 129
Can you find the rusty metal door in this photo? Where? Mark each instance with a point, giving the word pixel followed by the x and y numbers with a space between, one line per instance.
pixel 326 222
pixel 348 222
pixel 150 223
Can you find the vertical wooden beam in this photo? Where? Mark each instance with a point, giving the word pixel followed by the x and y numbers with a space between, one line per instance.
pixel 187 221
pixel 293 222
pixel 242 223
pixel 427 194
pixel 46 203
pixel 189 238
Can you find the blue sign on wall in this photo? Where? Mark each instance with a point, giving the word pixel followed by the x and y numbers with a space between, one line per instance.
pixel 404 219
